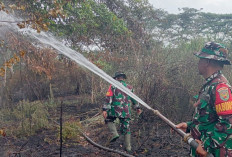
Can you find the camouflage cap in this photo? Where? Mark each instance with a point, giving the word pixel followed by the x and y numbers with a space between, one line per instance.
pixel 215 51
pixel 119 73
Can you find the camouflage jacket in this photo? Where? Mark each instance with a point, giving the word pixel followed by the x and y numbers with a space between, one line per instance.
pixel 117 103
pixel 212 120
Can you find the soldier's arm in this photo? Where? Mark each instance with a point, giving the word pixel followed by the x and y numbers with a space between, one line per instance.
pixel 223 107
pixel 190 124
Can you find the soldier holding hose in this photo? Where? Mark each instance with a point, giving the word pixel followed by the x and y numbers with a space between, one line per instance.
pixel 211 125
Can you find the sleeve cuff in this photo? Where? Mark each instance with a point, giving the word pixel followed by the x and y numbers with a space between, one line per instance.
pixel 103 109
pixel 189 126
pixel 137 106
pixel 189 123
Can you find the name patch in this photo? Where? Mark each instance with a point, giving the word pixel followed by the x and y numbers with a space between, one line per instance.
pixel 226 106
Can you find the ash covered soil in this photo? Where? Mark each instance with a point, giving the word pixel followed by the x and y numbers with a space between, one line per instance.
pixel 151 137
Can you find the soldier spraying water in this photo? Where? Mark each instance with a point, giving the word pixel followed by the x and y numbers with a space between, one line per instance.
pixel 211 125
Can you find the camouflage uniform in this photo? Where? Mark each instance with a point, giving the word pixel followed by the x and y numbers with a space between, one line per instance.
pixel 212 121
pixel 118 105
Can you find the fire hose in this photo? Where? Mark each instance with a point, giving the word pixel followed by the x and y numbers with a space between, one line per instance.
pixel 186 136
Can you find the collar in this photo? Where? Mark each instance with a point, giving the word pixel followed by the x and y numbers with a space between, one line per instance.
pixel 122 81
pixel 209 79
pixel 213 76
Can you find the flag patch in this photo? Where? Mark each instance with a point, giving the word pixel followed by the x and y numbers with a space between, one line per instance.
pixel 109 92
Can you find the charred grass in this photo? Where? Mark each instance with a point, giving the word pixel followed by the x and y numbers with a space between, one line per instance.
pixel 150 136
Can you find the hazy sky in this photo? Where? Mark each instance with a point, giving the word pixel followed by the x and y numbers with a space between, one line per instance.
pixel 213 6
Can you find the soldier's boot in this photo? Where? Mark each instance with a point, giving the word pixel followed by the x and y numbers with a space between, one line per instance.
pixel 127 140
pixel 113 131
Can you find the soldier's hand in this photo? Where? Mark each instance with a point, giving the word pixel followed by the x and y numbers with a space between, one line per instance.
pixel 200 151
pixel 139 111
pixel 182 126
pixel 104 113
pixel 2 132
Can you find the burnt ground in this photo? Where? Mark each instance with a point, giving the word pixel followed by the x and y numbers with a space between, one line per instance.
pixel 150 137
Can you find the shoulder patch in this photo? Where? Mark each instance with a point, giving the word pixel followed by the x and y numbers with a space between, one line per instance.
pixel 109 92
pixel 223 93
pixel 223 101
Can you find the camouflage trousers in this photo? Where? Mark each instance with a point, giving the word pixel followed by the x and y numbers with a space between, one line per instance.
pixel 124 124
